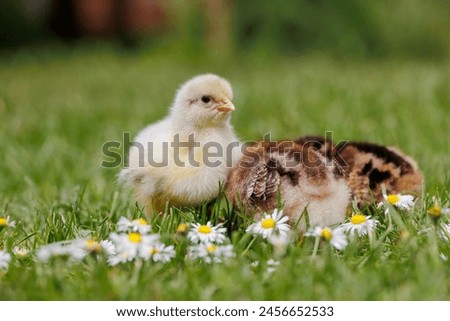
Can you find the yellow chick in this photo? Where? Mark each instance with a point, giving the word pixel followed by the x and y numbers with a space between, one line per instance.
pixel 182 159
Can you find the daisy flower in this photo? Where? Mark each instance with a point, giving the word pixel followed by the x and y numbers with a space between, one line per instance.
pixel 20 251
pixel 336 237
pixel 210 252
pixel 206 233
pixel 76 249
pixel 81 247
pixel 438 208
pixel 5 258
pixel 132 245
pixel 278 239
pixel 120 258
pixel 402 202
pixel 270 224
pixel 272 266
pixel 182 228
pixel 6 222
pixel 138 225
pixel 159 253
pixel 54 249
pixel 436 212
pixel 360 224
pixel 254 264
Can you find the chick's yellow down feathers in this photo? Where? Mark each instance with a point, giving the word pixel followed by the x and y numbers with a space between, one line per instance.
pixel 182 159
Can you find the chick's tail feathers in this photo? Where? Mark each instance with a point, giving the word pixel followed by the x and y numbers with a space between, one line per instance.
pixel 129 176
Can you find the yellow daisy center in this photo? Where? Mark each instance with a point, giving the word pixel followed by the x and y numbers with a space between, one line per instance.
pixel 141 221
pixel 393 199
pixel 93 246
pixel 268 223
pixel 358 219
pixel 211 248
pixel 154 251
pixel 204 229
pixel 326 234
pixel 91 242
pixel 182 228
pixel 135 237
pixel 3 221
pixel 435 211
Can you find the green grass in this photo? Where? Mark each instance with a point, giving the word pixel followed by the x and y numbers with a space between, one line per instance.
pixel 58 108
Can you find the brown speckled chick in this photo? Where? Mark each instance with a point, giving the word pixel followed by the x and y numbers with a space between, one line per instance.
pixel 300 178
pixel 368 166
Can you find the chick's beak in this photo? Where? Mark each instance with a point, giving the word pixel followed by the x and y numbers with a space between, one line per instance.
pixel 226 106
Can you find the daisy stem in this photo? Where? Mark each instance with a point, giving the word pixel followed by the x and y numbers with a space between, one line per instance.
pixel 385 234
pixel 316 247
pixel 248 246
pixel 371 239
pixel 363 261
pixel 136 271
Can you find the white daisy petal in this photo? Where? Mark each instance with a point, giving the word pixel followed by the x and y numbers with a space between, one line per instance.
pixel 280 239
pixel 119 258
pixel 315 231
pixel 254 264
pixel 76 249
pixel 159 252
pixel 20 251
pixel 163 253
pixel 338 239
pixel 5 258
pixel 210 252
pixel 6 222
pixel 132 245
pixel 335 237
pixel 444 232
pixel 108 247
pixel 399 201
pixel 272 266
pixel 138 225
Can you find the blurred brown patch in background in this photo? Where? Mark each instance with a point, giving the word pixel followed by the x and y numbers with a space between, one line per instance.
pixel 105 18
pixel 347 28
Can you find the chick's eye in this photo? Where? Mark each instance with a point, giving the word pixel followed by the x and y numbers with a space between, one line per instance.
pixel 206 99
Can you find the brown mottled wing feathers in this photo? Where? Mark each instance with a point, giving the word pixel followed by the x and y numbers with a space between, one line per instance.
pixel 262 182
pixel 272 182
